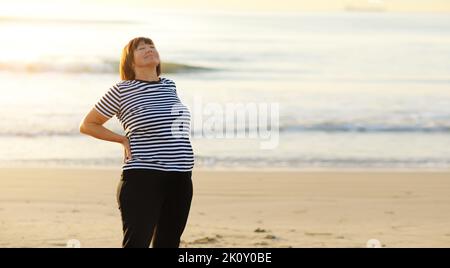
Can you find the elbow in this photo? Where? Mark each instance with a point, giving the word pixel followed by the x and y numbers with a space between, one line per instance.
pixel 82 128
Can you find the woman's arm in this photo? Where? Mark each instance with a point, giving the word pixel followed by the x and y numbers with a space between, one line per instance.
pixel 92 125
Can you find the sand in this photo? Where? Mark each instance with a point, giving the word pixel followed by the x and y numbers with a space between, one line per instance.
pixel 45 207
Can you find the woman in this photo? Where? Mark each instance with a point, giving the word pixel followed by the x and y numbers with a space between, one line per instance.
pixel 155 191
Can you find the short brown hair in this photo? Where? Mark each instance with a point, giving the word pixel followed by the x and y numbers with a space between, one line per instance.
pixel 126 60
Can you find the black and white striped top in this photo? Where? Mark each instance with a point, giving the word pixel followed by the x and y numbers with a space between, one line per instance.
pixel 155 121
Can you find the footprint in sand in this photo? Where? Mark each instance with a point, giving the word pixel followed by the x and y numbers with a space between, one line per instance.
pixel 317 234
pixel 397 227
pixel 205 240
pixel 58 244
pixel 272 237
pixel 261 244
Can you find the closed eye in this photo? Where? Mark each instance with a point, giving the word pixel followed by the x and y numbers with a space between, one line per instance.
pixel 140 48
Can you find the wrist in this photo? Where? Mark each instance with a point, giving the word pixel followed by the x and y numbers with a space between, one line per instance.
pixel 123 139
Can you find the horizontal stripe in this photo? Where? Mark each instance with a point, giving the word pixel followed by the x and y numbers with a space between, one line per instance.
pixel 155 121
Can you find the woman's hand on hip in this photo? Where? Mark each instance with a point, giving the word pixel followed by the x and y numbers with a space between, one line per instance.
pixel 127 149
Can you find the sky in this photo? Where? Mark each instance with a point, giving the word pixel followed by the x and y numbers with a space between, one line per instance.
pixel 114 8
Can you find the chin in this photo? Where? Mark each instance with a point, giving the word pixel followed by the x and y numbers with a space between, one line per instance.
pixel 153 62
pixel 150 64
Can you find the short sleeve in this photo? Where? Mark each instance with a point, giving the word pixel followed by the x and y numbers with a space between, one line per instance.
pixel 172 84
pixel 109 103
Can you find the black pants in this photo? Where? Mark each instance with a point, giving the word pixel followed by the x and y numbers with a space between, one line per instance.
pixel 154 203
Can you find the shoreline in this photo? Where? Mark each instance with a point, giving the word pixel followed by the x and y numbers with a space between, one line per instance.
pixel 248 169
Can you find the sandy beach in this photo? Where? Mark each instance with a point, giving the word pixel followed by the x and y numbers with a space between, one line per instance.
pixel 45 207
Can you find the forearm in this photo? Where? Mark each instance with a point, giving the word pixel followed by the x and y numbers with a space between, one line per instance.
pixel 101 132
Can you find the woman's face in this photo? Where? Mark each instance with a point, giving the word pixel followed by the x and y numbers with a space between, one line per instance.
pixel 146 55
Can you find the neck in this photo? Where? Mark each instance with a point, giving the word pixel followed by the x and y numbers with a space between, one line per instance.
pixel 147 74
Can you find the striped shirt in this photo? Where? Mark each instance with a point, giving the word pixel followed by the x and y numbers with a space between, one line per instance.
pixel 155 121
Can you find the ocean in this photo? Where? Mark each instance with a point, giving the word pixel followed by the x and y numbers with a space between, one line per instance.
pixel 352 90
